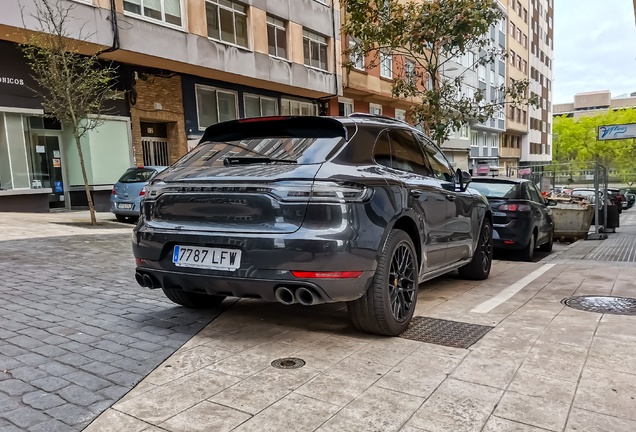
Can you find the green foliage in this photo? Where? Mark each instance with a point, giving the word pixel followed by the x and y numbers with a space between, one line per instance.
pixel 432 33
pixel 575 140
pixel 74 86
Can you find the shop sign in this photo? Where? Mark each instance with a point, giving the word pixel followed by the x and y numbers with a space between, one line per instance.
pixel 57 163
pixel 617 132
pixel 525 171
pixel 58 187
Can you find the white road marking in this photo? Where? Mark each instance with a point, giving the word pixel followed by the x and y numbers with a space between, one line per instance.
pixel 513 289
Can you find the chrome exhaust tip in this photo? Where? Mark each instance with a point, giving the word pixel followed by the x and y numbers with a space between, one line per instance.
pixel 140 279
pixel 307 297
pixel 285 296
pixel 149 283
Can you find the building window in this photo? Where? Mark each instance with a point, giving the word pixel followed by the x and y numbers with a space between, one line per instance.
pixel 168 11
pixel 512 112
pixel 525 41
pixel 481 73
pixel 518 62
pixel 524 119
pixel 315 50
pixel 260 106
pixel 294 107
pixel 525 16
pixel 215 105
pixel 473 139
pixel 512 57
pixel 519 35
pixel 525 67
pixel 494 141
pixel 464 132
pixel 386 65
pixel 357 60
pixel 400 114
pixel 227 21
pixel 512 29
pixel 345 107
pixel 276 37
pixel 375 109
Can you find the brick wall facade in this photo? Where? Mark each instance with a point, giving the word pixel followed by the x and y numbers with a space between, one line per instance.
pixel 167 92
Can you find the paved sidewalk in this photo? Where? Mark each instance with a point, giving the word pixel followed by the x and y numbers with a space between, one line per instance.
pixel 543 367
pixel 76 331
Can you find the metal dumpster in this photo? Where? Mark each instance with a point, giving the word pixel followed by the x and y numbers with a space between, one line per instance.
pixel 572 219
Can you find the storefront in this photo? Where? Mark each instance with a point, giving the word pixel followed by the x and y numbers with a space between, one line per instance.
pixel 39 162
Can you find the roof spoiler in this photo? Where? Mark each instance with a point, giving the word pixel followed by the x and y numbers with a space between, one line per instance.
pixel 281 126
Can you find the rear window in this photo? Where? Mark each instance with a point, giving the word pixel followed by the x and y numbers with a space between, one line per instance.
pixel 284 149
pixel 137 175
pixel 496 189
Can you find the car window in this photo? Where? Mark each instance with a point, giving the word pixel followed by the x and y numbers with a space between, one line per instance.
pixel 137 175
pixel 406 154
pixel 496 189
pixel 534 194
pixel 438 163
pixel 382 150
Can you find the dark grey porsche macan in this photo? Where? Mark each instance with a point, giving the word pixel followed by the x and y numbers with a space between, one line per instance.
pixel 312 210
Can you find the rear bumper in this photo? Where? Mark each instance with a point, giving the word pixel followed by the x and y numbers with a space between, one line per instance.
pixel 134 211
pixel 331 290
pixel 513 235
pixel 267 261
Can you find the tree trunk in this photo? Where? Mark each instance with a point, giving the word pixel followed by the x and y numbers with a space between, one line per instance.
pixel 91 208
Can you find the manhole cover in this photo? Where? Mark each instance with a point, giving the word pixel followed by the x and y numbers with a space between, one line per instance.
pixel 603 304
pixel 443 332
pixel 288 363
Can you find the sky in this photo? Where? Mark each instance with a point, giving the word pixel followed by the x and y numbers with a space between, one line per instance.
pixel 594 47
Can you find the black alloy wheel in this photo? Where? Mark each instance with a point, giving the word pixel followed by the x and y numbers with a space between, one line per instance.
pixel 527 254
pixel 386 308
pixel 402 284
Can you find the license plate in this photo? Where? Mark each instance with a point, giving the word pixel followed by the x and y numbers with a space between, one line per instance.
pixel 206 258
pixel 499 214
pixel 124 206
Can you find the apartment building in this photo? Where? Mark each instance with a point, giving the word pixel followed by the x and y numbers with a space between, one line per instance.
pixel 485 137
pixel 182 65
pixel 593 103
pixel 516 136
pixel 539 149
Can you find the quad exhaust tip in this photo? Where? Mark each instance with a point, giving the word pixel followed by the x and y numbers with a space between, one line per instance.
pixel 307 297
pixel 285 296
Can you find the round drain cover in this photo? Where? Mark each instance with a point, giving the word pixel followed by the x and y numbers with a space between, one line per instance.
pixel 603 304
pixel 288 363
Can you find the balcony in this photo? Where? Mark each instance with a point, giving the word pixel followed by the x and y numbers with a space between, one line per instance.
pixel 509 152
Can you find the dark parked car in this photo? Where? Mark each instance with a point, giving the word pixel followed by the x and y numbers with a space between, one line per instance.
pixel 521 217
pixel 125 200
pixel 312 210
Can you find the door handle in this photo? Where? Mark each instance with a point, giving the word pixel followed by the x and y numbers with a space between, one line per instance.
pixel 416 193
pixel 450 197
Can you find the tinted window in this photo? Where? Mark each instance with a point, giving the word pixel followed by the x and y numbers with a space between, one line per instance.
pixel 300 150
pixel 137 175
pixel 496 189
pixel 438 163
pixel 406 153
pixel 535 195
pixel 382 150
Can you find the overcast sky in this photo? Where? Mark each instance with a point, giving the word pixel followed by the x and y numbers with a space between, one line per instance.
pixel 594 47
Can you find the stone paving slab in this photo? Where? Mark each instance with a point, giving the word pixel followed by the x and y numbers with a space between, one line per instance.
pixel 544 367
pixel 76 331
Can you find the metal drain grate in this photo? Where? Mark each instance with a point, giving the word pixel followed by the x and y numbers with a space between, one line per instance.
pixel 288 363
pixel 602 304
pixel 443 332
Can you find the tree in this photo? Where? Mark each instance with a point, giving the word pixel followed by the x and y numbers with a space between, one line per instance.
pixel 575 141
pixel 73 86
pixel 430 34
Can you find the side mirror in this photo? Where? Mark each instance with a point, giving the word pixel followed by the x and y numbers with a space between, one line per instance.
pixel 463 179
pixel 552 203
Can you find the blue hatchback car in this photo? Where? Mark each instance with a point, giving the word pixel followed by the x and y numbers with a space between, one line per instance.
pixel 126 197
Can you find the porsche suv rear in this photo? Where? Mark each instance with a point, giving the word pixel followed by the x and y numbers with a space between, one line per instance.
pixel 287 209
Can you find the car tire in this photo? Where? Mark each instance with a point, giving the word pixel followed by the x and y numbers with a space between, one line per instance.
pixel 527 254
pixel 120 218
pixel 547 247
pixel 387 308
pixel 479 267
pixel 192 300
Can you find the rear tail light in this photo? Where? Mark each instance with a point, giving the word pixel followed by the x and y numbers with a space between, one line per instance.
pixel 327 275
pixel 114 192
pixel 514 207
pixel 143 192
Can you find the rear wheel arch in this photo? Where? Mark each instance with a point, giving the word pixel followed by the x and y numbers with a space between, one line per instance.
pixel 408 225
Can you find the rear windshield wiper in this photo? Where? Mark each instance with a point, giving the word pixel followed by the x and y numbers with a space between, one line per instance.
pixel 254 160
